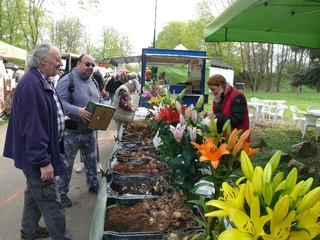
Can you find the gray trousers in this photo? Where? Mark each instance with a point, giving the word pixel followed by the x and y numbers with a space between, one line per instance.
pixel 41 199
pixel 86 143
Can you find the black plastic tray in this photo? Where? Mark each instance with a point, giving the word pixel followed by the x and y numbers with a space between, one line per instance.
pixel 127 180
pixel 151 235
pixel 109 235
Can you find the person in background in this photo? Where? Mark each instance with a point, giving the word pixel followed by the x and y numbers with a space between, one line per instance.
pixel 228 103
pixel 16 74
pixel 162 78
pixel 106 78
pixel 112 86
pixel 99 78
pixel 123 103
pixel 123 78
pixel 74 104
pixel 135 79
pixel 35 140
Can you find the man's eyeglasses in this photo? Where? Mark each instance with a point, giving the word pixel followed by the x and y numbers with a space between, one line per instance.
pixel 88 64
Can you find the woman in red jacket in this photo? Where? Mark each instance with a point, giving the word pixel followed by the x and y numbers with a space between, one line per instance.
pixel 228 103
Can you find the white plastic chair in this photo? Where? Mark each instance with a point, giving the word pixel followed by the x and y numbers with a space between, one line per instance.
pixel 280 108
pixel 313 109
pixel 311 122
pixel 297 115
pixel 252 111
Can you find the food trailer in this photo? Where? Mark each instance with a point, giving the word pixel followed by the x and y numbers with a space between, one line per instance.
pixel 177 69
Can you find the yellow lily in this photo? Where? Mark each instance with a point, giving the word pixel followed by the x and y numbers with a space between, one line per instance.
pixel 308 220
pixel 247 227
pixel 282 230
pixel 232 197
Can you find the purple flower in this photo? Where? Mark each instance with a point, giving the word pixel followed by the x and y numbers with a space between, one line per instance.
pixel 158 90
pixel 178 131
pixel 147 94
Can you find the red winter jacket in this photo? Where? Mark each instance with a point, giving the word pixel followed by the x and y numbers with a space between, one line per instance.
pixel 233 106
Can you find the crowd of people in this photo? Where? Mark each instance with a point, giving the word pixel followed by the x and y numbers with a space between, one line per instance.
pixel 44 134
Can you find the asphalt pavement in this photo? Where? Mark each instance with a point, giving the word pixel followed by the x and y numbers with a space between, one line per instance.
pixel 78 216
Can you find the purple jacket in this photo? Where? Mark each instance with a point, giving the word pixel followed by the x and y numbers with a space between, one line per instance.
pixel 32 135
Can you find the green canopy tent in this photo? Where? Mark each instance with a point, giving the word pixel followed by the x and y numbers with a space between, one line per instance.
pixel 289 22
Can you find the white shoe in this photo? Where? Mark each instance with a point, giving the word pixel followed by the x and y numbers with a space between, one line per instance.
pixel 99 167
pixel 80 168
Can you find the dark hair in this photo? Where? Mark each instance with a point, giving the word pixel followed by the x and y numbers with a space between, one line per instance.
pixel 99 78
pixel 80 58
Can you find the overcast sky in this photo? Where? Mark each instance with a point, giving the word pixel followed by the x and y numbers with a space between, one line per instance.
pixel 135 18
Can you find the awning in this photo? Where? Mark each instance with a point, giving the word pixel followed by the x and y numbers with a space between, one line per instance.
pixel 289 22
pixel 159 60
pixel 11 52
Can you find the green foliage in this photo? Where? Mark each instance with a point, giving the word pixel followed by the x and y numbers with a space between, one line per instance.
pixel 171 35
pixel 112 43
pixel 4 120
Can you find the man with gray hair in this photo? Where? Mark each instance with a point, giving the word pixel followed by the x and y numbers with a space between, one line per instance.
pixel 34 141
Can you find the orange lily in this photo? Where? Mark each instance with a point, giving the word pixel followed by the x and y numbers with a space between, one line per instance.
pixel 210 152
pixel 250 151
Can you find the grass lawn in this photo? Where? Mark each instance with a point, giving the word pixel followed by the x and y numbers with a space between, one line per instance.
pixel 282 138
pixel 4 120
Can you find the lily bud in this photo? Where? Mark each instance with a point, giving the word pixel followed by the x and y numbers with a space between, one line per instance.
pixel 291 180
pixel 238 147
pixel 275 160
pixel 193 133
pixel 182 120
pixel 246 165
pixel 200 102
pixel 305 187
pixel 232 139
pixel 194 116
pixel 181 95
pixel 178 107
pixel 309 200
pixel 187 113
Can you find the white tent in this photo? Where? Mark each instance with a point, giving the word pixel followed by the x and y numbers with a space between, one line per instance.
pixel 180 47
pixel 10 52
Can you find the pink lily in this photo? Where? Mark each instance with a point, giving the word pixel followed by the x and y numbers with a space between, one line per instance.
pixel 178 131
